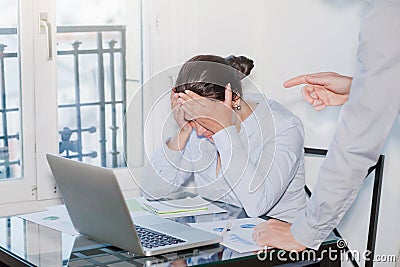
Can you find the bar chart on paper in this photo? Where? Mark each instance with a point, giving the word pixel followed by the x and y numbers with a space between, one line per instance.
pixel 237 234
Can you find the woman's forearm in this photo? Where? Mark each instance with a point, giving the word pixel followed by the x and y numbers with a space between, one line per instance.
pixel 166 171
pixel 178 142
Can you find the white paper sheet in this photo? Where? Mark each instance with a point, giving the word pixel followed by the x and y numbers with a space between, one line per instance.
pixel 238 237
pixel 55 217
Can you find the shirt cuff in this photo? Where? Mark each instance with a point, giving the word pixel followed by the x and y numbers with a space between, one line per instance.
pixel 305 234
pixel 173 157
pixel 227 139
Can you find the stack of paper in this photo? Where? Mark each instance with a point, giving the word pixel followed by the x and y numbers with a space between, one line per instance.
pixel 189 206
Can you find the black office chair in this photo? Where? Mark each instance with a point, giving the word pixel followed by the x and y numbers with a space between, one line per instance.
pixel 376 196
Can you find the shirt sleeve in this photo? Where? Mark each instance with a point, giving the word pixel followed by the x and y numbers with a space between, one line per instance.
pixel 259 184
pixel 363 127
pixel 166 171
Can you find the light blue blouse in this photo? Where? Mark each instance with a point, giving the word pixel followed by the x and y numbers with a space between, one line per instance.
pixel 262 165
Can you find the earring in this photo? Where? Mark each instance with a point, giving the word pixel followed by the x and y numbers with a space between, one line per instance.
pixel 237 107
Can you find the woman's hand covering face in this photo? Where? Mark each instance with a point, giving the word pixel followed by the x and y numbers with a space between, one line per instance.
pixel 212 114
pixel 179 115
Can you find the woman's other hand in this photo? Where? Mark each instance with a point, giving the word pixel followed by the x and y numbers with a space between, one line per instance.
pixel 178 142
pixel 179 115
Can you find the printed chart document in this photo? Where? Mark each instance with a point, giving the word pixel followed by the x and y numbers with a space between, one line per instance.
pixel 55 217
pixel 189 206
pixel 237 233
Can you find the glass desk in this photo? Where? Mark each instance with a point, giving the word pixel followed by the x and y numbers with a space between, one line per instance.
pixel 23 243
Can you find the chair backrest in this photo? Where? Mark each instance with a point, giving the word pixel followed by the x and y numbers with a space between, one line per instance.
pixel 375 202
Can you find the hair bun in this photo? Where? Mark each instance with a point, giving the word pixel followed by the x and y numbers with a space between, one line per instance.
pixel 241 63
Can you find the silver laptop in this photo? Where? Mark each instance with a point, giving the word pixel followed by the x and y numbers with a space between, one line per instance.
pixel 98 209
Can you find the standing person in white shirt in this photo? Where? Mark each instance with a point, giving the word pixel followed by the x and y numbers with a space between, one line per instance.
pixel 241 148
pixel 364 124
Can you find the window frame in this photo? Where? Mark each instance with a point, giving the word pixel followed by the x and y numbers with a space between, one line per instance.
pixel 24 188
pixel 39 110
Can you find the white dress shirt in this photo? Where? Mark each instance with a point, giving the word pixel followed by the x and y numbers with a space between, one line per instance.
pixel 262 165
pixel 364 125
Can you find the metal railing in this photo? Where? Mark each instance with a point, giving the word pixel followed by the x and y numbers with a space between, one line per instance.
pixel 76 149
pixel 66 144
pixel 5 162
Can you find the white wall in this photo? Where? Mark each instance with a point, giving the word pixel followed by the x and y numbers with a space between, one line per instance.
pixel 285 38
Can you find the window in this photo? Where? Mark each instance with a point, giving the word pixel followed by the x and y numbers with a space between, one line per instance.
pixel 92 93
pixel 73 104
pixel 10 110
pixel 91 72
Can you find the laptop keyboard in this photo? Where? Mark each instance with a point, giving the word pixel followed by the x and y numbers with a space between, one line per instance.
pixel 153 239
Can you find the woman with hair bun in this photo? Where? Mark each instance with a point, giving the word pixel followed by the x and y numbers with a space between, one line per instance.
pixel 242 149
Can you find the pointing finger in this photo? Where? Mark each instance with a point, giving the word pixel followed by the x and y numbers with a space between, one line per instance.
pixel 301 79
pixel 318 79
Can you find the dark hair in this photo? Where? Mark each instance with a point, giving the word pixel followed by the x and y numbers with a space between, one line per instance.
pixel 207 75
pixel 241 63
